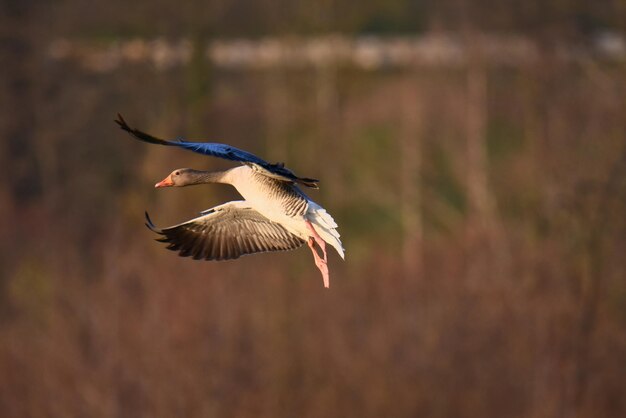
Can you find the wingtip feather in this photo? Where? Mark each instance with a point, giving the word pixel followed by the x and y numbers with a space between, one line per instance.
pixel 122 123
pixel 312 183
pixel 150 225
pixel 140 135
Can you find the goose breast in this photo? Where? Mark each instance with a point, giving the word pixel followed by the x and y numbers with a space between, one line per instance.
pixel 277 200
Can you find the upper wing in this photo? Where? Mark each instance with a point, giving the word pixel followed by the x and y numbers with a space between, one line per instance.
pixel 207 148
pixel 226 232
pixel 227 152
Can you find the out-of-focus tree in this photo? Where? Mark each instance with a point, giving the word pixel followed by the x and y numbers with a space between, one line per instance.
pixel 98 320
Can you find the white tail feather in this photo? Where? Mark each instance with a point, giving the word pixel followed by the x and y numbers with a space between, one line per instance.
pixel 325 227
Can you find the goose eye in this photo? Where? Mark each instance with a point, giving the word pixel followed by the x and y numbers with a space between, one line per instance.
pixel 177 173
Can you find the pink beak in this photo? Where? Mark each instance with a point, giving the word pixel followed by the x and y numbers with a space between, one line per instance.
pixel 166 182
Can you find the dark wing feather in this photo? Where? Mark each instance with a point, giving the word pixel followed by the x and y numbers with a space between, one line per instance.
pixel 226 232
pixel 218 150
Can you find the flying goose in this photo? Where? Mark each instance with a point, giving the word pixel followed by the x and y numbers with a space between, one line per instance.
pixel 275 215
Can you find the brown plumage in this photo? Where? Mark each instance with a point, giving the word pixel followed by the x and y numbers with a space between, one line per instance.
pixel 226 232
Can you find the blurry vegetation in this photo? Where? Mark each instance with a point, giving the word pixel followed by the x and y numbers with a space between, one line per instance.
pixel 482 209
pixel 256 18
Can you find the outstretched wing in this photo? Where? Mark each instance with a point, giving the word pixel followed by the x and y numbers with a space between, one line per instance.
pixel 226 232
pixel 218 150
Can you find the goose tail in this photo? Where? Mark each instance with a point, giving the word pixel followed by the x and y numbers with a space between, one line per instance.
pixel 326 227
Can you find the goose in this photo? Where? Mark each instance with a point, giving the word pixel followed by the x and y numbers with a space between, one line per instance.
pixel 275 215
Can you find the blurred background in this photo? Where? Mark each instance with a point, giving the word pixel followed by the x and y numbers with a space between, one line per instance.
pixel 472 152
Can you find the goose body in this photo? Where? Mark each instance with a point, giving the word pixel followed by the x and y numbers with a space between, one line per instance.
pixel 275 215
pixel 284 203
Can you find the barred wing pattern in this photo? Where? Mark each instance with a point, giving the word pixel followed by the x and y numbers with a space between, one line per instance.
pixel 226 232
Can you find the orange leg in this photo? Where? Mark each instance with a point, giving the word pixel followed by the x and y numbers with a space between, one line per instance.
pixel 320 262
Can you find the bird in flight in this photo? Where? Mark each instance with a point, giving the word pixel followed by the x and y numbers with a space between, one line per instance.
pixel 275 214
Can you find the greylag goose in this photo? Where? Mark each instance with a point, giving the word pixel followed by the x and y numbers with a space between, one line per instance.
pixel 275 215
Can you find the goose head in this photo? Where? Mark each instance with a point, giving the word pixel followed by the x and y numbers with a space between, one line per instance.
pixel 178 178
pixel 188 176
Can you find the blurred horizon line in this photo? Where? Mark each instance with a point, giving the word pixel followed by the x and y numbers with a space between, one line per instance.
pixel 370 53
